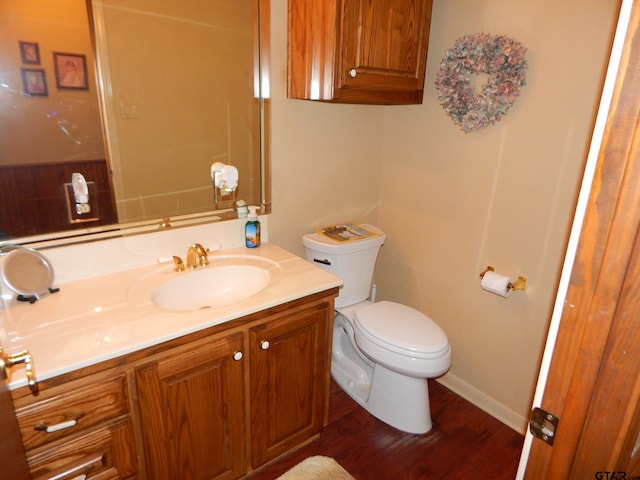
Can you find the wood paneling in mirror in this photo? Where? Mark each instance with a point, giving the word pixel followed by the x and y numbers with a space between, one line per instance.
pixel 33 198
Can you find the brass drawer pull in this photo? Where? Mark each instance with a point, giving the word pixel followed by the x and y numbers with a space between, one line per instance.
pixel 43 427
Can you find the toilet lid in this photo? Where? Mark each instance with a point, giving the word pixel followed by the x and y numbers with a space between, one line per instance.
pixel 401 329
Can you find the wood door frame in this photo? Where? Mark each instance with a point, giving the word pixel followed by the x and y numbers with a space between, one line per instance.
pixel 593 382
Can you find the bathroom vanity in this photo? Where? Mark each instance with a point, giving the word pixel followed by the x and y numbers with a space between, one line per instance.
pixel 130 390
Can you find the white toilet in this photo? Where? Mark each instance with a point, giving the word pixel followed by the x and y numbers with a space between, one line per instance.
pixel 383 352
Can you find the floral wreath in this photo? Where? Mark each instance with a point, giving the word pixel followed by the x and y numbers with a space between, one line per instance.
pixel 499 57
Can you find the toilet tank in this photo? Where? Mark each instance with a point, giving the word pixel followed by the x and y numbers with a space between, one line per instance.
pixel 352 261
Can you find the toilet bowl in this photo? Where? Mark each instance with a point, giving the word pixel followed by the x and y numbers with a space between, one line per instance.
pixel 402 339
pixel 384 352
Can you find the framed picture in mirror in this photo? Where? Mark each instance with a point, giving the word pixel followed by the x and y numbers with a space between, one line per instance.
pixel 34 82
pixel 30 53
pixel 71 70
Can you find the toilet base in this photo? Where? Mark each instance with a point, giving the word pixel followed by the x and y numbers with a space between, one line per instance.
pixel 398 400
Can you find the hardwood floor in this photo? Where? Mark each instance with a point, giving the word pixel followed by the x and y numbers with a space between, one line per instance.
pixel 465 443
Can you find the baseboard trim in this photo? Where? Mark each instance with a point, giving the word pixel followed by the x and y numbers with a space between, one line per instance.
pixel 481 400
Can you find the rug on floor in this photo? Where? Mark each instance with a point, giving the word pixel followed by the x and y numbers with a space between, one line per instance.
pixel 317 468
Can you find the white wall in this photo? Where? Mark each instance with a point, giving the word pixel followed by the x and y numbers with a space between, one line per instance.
pixel 326 158
pixel 453 203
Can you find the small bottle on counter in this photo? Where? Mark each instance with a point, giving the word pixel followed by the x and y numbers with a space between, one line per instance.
pixel 252 229
pixel 241 208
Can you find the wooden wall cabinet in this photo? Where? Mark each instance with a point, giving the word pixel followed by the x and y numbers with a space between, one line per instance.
pixel 358 51
pixel 212 405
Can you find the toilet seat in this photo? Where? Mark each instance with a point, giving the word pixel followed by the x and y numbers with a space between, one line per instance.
pixel 400 329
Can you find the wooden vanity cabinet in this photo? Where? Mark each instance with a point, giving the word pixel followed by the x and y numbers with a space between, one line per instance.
pixel 358 51
pixel 215 404
pixel 263 389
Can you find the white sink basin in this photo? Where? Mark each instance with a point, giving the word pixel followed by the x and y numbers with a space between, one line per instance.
pixel 227 279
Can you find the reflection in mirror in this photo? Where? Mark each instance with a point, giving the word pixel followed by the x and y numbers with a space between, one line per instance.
pixel 179 87
pixel 51 131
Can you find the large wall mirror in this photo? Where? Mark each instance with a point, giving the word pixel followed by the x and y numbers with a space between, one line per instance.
pixel 138 97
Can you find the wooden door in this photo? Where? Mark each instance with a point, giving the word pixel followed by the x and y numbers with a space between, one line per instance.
pixel 593 384
pixel 288 380
pixel 14 460
pixel 192 411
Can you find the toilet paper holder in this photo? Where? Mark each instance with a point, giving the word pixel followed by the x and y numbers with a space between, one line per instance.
pixel 519 284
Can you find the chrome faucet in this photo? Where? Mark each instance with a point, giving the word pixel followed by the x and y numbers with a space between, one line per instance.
pixel 197 256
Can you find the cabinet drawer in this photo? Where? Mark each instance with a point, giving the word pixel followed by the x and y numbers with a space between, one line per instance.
pixel 104 453
pixel 71 411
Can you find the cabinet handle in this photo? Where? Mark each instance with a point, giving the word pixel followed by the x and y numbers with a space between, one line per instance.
pixel 81 469
pixel 43 427
pixel 8 361
pixel 264 344
pixel 353 72
pixel 237 355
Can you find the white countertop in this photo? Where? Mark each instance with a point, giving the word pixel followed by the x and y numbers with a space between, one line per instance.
pixel 92 320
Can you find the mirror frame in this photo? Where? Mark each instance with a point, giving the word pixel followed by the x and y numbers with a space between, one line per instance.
pixel 262 75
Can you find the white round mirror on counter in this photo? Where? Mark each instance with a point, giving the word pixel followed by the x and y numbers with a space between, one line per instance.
pixel 27 272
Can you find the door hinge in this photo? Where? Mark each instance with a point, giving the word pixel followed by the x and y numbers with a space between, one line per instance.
pixel 543 425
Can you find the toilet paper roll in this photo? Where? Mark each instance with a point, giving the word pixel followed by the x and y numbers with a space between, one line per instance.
pixel 495 283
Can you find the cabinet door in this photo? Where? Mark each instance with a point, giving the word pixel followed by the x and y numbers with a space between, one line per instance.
pixel 383 50
pixel 192 411
pixel 288 381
